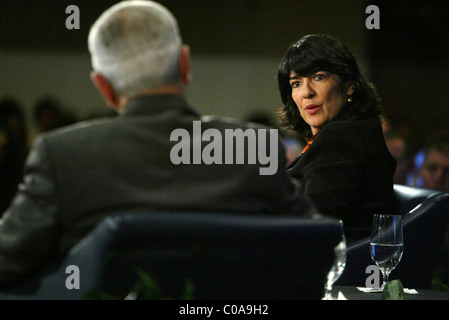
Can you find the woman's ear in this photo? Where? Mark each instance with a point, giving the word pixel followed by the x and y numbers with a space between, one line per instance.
pixel 350 90
pixel 106 90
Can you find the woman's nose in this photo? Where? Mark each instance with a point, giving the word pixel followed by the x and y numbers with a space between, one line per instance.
pixel 308 91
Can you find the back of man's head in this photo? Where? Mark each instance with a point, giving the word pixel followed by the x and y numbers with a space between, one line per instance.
pixel 136 45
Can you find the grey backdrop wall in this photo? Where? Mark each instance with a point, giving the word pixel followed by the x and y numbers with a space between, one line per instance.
pixel 236 48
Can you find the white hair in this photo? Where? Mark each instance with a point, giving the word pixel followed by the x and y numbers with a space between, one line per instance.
pixel 136 45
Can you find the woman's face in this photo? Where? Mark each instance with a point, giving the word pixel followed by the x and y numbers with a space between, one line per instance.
pixel 319 97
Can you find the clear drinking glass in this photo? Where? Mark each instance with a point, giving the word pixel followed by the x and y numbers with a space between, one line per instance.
pixel 386 245
pixel 338 267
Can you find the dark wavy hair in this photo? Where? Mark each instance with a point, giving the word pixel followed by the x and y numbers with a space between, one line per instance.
pixel 320 52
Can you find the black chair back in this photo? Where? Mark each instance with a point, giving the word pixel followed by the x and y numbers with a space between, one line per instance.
pixel 224 256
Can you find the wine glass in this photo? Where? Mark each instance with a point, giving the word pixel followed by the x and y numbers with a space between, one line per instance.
pixel 386 245
pixel 338 267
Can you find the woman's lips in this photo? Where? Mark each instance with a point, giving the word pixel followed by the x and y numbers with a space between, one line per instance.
pixel 312 108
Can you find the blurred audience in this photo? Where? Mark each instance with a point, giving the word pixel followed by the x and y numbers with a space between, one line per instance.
pixel 402 125
pixel 77 176
pixel 13 149
pixel 12 116
pixel 397 144
pixel 4 179
pixel 49 114
pixel 434 172
pixel 345 169
pixel 3 142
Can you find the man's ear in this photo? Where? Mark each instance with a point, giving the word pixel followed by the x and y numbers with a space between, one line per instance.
pixel 184 65
pixel 106 90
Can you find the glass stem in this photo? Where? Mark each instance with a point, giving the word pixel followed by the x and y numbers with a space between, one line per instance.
pixel 385 275
pixel 328 293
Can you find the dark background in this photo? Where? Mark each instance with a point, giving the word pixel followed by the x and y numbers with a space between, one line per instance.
pixel 217 27
pixel 408 56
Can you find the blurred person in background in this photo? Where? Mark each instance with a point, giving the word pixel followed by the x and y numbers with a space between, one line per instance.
pixel 48 114
pixel 14 149
pixel 5 190
pixel 434 172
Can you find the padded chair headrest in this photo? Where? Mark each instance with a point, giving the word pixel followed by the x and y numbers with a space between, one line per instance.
pixel 410 197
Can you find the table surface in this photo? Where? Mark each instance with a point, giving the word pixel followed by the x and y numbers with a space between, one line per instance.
pixel 352 293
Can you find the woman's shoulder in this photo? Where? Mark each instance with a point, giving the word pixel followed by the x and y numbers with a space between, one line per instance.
pixel 357 134
pixel 359 126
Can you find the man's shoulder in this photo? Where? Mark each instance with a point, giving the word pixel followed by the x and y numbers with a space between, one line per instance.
pixel 77 130
pixel 223 122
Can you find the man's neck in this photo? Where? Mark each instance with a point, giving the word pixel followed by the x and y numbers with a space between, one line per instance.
pixel 170 89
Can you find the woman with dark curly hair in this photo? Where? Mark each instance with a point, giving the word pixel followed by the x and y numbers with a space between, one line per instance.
pixel 345 169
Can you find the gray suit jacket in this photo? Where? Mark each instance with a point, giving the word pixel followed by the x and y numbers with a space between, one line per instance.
pixel 77 175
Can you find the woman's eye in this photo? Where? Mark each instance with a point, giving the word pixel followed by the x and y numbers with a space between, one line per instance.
pixel 319 76
pixel 295 84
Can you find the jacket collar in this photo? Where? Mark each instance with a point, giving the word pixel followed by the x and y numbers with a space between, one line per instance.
pixel 156 104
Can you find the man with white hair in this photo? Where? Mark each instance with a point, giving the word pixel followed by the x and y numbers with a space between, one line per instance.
pixel 77 175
